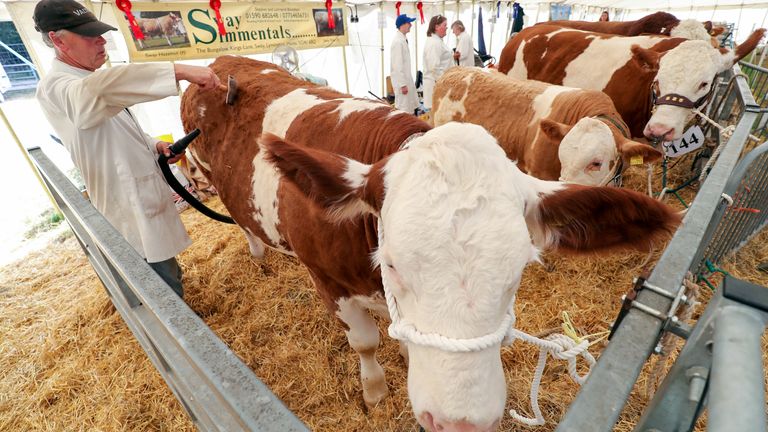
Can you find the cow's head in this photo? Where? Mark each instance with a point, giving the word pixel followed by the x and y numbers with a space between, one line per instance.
pixel 590 152
pixel 453 242
pixel 684 77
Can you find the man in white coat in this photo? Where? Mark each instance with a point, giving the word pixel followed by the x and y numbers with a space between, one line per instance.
pixel 400 67
pixel 437 56
pixel 88 109
pixel 464 54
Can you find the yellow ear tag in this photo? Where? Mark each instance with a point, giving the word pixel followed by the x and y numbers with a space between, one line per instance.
pixel 636 160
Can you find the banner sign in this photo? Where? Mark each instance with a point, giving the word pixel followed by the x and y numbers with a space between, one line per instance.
pixel 178 31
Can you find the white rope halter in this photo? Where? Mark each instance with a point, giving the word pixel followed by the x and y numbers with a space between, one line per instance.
pixel 560 346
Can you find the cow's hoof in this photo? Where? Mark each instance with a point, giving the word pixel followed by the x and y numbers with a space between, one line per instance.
pixel 372 395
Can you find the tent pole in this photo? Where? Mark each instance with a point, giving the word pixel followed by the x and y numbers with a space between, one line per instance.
pixel 493 25
pixel 472 27
pixel 416 36
pixel 381 42
pixel 26 157
pixel 509 22
pixel 346 73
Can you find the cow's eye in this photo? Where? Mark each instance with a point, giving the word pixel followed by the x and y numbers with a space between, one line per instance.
pixel 703 85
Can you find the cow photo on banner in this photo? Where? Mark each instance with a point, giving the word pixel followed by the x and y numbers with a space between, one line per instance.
pixel 180 31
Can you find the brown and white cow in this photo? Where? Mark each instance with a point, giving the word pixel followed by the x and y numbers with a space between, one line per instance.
pixel 163 26
pixel 447 219
pixel 655 23
pixel 626 68
pixel 553 132
pixel 661 23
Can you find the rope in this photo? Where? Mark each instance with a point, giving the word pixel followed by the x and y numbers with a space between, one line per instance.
pixel 560 347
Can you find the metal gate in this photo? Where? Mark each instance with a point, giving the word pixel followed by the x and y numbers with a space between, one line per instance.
pixel 701 237
pixel 217 390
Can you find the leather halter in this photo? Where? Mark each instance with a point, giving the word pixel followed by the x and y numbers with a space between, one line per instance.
pixel 675 99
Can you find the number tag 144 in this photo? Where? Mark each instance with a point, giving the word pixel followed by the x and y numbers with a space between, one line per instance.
pixel 692 139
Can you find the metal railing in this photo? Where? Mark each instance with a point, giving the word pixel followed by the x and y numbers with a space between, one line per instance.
pixel 758 83
pixel 600 401
pixel 217 390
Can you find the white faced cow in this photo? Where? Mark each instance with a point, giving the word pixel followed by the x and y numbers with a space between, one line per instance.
pixel 449 221
pixel 553 132
pixel 639 73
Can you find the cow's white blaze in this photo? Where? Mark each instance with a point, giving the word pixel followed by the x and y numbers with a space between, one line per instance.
pixel 454 244
pixel 587 153
pixel 686 70
pixel 594 68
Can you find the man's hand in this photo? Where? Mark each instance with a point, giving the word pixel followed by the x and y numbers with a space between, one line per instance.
pixel 404 90
pixel 456 55
pixel 200 75
pixel 163 147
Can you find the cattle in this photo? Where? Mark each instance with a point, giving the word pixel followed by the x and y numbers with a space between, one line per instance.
pixel 553 132
pixel 449 222
pixel 661 23
pixel 640 73
pixel 165 26
pixel 655 23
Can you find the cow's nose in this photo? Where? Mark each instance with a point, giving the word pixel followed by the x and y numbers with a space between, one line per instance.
pixel 437 425
pixel 659 131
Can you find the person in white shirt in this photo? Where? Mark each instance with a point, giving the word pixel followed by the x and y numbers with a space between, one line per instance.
pixel 400 67
pixel 464 54
pixel 88 109
pixel 437 56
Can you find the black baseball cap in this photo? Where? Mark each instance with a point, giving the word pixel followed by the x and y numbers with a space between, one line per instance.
pixel 52 15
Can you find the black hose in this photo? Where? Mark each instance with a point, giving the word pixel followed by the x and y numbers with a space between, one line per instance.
pixel 178 148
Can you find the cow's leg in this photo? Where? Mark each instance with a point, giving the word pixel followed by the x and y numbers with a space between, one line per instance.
pixel 255 245
pixel 169 40
pixel 379 307
pixel 363 336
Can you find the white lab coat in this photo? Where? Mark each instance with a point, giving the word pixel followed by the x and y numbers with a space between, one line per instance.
pixel 400 73
pixel 437 59
pixel 117 159
pixel 464 47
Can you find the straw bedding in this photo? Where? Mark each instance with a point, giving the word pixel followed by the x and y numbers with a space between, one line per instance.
pixel 67 362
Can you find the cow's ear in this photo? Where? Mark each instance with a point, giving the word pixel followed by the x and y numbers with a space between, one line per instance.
pixel 707 26
pixel 584 219
pixel 746 47
pixel 645 58
pixel 554 130
pixel 716 31
pixel 344 187
pixel 633 150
